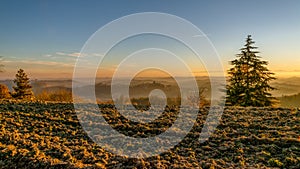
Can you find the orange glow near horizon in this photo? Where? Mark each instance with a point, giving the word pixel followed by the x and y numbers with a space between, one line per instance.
pixel 40 70
pixel 68 74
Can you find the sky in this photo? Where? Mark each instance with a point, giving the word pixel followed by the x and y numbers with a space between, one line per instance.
pixel 45 37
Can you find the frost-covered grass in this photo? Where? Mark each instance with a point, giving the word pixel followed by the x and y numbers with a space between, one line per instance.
pixel 40 135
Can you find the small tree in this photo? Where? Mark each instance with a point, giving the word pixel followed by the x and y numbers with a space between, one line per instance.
pixel 23 89
pixel 248 83
pixel 4 92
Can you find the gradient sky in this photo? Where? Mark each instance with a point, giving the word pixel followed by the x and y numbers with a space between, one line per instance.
pixel 44 37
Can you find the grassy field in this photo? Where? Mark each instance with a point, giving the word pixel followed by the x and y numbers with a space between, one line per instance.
pixel 39 135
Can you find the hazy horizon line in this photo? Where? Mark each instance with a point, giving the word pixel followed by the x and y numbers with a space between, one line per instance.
pixel 125 77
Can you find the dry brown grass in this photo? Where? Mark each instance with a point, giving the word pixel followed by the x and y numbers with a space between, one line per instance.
pixel 55 96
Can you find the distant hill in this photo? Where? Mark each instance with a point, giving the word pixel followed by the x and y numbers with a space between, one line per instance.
pixel 290 101
pixel 286 86
pixel 287 92
pixel 103 90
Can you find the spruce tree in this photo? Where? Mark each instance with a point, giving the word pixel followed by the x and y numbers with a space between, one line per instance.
pixel 249 78
pixel 23 89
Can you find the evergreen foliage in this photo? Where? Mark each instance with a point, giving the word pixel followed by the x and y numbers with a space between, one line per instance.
pixel 249 78
pixel 23 89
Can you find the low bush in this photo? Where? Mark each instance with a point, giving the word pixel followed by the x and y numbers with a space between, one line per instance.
pixel 56 96
pixel 4 92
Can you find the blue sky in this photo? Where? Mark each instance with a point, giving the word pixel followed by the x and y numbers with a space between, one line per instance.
pixel 44 37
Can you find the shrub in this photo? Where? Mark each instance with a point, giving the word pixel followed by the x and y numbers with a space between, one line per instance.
pixel 57 96
pixel 4 92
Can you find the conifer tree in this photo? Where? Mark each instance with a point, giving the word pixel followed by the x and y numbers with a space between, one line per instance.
pixel 249 78
pixel 23 89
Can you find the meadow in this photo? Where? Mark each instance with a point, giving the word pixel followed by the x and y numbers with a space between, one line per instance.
pixel 49 135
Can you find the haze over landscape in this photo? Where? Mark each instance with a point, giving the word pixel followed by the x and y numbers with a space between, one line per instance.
pixel 45 39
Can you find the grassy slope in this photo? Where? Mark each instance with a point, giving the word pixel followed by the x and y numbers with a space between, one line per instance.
pixel 36 135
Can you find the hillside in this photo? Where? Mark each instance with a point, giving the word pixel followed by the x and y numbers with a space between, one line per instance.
pixel 287 88
pixel 290 101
